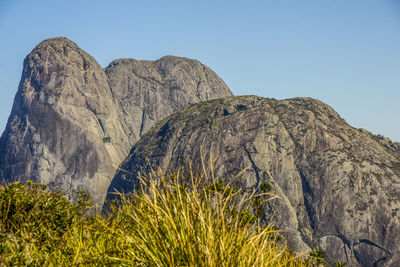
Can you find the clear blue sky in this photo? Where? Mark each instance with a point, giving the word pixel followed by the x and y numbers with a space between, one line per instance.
pixel 345 53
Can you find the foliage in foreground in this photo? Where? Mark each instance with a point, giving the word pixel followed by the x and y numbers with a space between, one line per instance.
pixel 171 222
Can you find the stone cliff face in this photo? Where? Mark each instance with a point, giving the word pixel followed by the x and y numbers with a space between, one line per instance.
pixel 149 91
pixel 339 187
pixel 70 122
pixel 62 110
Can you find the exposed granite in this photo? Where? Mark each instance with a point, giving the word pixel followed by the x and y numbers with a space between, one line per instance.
pixel 71 123
pixel 339 187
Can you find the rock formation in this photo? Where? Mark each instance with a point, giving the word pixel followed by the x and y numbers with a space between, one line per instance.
pixel 72 121
pixel 149 91
pixel 339 186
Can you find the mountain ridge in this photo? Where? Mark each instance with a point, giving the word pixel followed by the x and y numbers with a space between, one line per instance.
pixel 72 121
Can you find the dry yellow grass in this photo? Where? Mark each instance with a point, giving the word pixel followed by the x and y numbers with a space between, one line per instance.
pixel 172 220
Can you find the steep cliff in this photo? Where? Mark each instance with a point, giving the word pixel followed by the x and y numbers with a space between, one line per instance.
pixel 151 90
pixel 339 186
pixel 70 122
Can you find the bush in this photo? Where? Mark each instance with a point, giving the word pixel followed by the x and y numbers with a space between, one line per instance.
pixel 32 207
pixel 169 222
pixel 30 215
pixel 107 139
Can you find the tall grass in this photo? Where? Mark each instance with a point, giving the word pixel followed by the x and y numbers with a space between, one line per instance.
pixel 173 220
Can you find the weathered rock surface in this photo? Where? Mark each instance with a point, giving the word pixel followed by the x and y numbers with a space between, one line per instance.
pixel 70 122
pixel 339 187
pixel 151 90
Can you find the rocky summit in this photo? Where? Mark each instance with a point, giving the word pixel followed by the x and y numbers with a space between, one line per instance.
pixel 72 121
pixel 151 90
pixel 338 186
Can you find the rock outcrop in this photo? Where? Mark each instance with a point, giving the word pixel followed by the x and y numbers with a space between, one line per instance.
pixel 339 186
pixel 72 121
pixel 151 90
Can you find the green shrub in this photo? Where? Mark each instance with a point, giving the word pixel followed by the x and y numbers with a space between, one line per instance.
pixel 107 139
pixel 318 255
pixel 32 207
pixel 32 216
pixel 169 222
pixel 265 187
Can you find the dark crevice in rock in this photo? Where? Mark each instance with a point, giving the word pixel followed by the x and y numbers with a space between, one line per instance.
pixel 308 195
pixel 149 79
pixel 345 241
pixel 198 89
pixel 369 242
pixel 241 107
pixel 101 124
pixel 142 123
pixel 164 130
pixel 373 244
pixel 255 168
